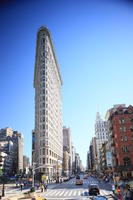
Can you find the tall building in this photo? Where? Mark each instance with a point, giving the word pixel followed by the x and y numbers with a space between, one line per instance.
pixel 48 106
pixel 26 162
pixel 94 152
pixel 11 149
pixel 67 143
pixel 18 143
pixel 5 132
pixel 66 161
pixel 73 159
pixel 101 134
pixel 120 120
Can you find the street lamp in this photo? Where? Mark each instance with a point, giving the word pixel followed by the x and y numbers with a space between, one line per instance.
pixel 3 188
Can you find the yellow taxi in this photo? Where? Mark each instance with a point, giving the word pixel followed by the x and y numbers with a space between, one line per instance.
pixel 78 180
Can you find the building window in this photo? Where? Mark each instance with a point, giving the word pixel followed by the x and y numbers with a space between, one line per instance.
pixel 122 138
pixel 124 129
pixel 43 160
pixel 121 121
pixel 125 138
pixel 131 128
pixel 47 151
pixel 121 129
pixel 126 161
pixel 131 120
pixel 43 151
pixel 125 149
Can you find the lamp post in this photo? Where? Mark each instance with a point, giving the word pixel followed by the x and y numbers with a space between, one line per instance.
pixel 3 188
pixel 3 179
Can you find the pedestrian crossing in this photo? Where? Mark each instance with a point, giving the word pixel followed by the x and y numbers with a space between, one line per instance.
pixel 70 193
pixel 84 182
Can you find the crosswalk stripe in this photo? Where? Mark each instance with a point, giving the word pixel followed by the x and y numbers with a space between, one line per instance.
pixel 70 193
pixel 61 193
pixel 74 194
pixel 58 192
pixel 52 193
pixel 66 193
pixel 79 192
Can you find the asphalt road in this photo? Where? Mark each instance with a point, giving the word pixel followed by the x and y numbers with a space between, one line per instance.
pixel 69 190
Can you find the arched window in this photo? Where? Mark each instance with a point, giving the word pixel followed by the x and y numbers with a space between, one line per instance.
pixel 126 161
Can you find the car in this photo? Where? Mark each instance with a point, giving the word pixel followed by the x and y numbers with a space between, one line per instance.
pixel 77 177
pixel 100 198
pixel 85 177
pixel 79 182
pixel 61 179
pixel 17 184
pixel 66 178
pixel 72 176
pixel 93 189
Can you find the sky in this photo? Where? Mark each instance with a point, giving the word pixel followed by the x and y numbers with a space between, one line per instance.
pixel 93 42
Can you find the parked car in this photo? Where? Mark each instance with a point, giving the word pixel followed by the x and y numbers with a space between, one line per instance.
pixel 93 189
pixel 17 184
pixel 100 198
pixel 61 179
pixel 66 178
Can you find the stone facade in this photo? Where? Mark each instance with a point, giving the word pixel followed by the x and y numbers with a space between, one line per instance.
pixel 101 134
pixel 48 106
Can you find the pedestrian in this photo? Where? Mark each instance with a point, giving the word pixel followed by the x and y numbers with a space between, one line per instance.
pixel 21 186
pixel 128 194
pixel 113 188
pixel 42 187
pixel 45 186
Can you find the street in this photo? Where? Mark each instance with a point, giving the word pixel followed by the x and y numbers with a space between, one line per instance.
pixel 69 190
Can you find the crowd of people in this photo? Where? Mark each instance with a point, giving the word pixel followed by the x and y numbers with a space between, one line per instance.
pixel 123 192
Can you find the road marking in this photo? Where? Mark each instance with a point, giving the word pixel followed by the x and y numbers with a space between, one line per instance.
pixel 79 192
pixel 51 193
pixel 58 192
pixel 74 194
pixel 66 193
pixel 61 193
pixel 70 193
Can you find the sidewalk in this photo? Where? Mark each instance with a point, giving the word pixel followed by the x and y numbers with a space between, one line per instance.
pixel 22 195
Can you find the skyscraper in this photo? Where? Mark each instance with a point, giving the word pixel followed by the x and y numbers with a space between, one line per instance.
pixel 101 134
pixel 67 143
pixel 48 106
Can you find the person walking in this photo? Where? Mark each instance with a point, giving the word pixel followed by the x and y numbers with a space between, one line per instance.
pixel 21 186
pixel 128 195
pixel 113 188
pixel 42 187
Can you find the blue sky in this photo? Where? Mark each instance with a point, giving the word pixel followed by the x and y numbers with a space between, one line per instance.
pixel 93 41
